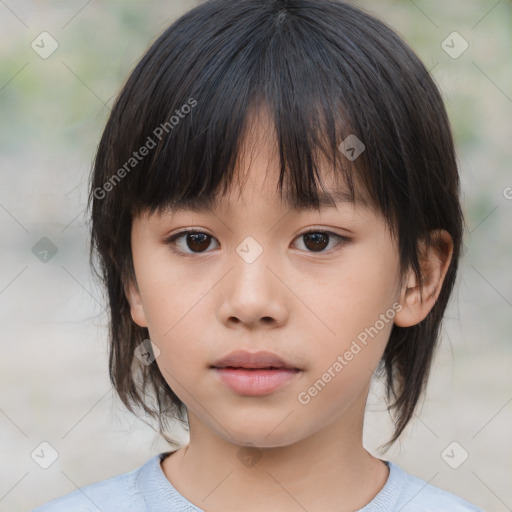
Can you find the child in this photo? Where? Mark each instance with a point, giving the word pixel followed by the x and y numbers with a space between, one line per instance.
pixel 257 312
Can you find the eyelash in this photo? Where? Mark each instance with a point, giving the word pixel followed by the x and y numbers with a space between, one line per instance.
pixel 171 241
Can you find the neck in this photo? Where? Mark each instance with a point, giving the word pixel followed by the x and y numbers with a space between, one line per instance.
pixel 328 470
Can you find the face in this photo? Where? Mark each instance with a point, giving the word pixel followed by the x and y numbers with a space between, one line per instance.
pixel 252 280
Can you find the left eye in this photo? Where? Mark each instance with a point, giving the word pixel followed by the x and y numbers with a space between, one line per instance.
pixel 198 242
pixel 317 240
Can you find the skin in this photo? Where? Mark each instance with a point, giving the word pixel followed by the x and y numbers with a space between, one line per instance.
pixel 303 305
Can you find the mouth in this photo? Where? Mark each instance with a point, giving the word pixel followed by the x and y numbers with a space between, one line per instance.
pixel 253 361
pixel 254 368
pixel 254 373
pixel 255 381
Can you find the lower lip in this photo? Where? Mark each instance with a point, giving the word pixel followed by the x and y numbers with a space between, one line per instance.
pixel 255 382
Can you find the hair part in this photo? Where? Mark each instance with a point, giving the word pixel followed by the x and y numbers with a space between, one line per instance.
pixel 322 70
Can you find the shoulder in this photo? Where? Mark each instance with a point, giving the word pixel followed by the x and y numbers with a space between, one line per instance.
pixel 117 494
pixel 419 496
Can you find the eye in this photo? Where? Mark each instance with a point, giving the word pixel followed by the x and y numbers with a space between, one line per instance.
pixel 196 241
pixel 316 240
pixel 186 243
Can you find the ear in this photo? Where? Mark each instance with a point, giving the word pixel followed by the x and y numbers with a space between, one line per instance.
pixel 132 293
pixel 416 300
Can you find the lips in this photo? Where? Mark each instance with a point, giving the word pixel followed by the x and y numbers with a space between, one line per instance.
pixel 253 360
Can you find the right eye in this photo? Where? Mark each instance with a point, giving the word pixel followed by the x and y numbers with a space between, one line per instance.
pixel 196 241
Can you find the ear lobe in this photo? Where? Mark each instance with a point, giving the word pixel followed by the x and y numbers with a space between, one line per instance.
pixel 132 293
pixel 417 300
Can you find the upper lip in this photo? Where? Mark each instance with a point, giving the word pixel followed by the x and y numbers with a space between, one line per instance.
pixel 244 359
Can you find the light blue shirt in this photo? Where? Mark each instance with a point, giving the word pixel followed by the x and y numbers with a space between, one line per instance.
pixel 147 489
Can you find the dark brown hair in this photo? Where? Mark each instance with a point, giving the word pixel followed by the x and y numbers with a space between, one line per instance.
pixel 324 69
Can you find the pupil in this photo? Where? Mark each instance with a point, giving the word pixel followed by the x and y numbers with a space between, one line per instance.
pixel 320 241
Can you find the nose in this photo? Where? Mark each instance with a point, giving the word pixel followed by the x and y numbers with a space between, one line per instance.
pixel 254 294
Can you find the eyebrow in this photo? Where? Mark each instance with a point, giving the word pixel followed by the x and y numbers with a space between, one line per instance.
pixel 325 200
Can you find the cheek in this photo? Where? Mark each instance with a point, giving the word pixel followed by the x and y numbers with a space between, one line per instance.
pixel 178 323
pixel 345 363
pixel 362 288
pixel 358 315
pixel 168 294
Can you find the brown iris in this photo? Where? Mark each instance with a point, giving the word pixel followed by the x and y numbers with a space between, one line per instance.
pixel 199 241
pixel 317 241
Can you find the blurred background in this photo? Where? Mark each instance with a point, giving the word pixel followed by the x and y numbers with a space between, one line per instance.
pixel 62 64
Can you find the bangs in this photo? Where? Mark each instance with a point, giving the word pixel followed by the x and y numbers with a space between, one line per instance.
pixel 190 108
